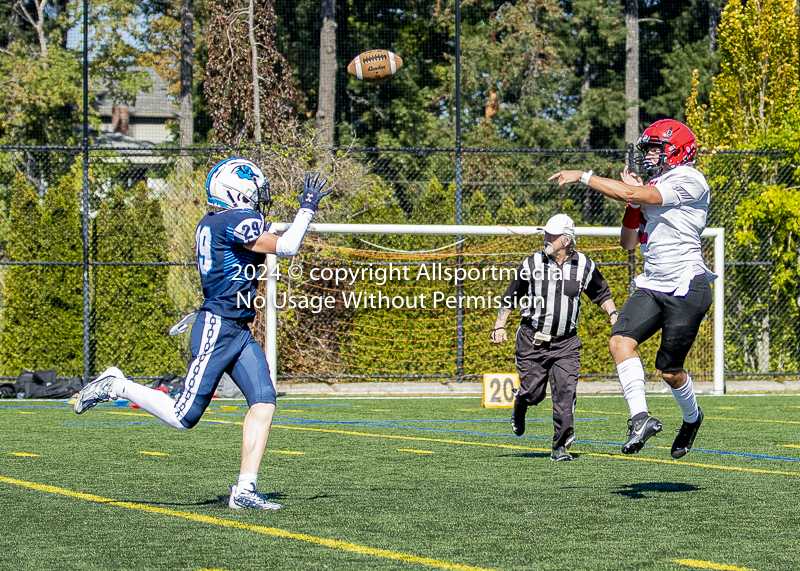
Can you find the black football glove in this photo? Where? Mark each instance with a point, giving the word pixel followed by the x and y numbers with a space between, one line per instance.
pixel 313 192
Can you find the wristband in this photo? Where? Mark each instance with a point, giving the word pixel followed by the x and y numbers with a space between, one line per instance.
pixel 613 313
pixel 586 176
pixel 631 218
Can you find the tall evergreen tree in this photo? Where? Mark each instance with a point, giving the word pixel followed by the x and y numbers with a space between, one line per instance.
pixel 43 315
pixel 675 41
pixel 132 309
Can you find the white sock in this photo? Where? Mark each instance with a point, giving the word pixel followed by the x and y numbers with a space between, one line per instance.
pixel 155 402
pixel 631 377
pixel 247 481
pixel 687 400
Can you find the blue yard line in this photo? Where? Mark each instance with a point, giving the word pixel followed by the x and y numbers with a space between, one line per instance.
pixel 293 405
pixel 131 423
pixel 470 420
pixel 69 406
pixel 35 406
pixel 108 423
pixel 112 405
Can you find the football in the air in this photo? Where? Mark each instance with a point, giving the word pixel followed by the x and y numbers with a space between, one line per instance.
pixel 374 66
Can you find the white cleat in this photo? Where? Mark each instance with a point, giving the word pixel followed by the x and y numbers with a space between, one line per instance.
pixel 250 498
pixel 99 390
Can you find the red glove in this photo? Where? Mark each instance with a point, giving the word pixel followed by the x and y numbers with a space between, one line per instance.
pixel 631 218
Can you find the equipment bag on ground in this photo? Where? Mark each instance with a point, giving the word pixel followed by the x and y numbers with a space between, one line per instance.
pixel 45 385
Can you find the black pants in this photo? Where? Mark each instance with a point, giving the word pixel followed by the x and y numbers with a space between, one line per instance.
pixel 679 319
pixel 559 361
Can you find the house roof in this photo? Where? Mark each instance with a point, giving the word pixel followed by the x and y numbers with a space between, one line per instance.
pixel 107 138
pixel 156 103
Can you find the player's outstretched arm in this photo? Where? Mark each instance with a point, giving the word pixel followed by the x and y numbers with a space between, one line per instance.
pixel 288 244
pixel 614 189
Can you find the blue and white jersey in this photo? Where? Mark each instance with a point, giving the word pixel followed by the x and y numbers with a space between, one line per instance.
pixel 229 272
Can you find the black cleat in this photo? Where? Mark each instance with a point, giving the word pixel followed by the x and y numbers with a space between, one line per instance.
pixel 685 439
pixel 560 454
pixel 518 417
pixel 639 432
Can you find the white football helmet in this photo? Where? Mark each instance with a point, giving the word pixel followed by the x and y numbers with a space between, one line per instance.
pixel 237 183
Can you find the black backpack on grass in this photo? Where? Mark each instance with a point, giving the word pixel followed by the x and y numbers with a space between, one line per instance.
pixel 8 391
pixel 45 385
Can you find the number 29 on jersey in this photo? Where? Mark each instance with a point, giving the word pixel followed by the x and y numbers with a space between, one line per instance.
pixel 498 389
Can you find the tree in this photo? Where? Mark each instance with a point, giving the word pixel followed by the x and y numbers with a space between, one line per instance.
pixel 41 80
pixel 43 315
pixel 758 84
pixel 768 225
pixel 593 53
pixel 41 97
pixel 186 136
pixel 37 22
pixel 632 130
pixel 239 77
pixel 754 104
pixel 326 108
pixel 116 48
pixel 132 310
pixel 513 51
pixel 177 50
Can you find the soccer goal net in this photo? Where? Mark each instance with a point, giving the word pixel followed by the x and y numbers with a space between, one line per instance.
pixel 402 302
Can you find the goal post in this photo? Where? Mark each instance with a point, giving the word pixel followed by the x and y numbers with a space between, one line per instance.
pixel 718 235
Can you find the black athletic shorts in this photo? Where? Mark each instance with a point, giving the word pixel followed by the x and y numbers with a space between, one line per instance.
pixel 679 319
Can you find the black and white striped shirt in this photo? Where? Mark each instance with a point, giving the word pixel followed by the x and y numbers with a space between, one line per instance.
pixel 550 295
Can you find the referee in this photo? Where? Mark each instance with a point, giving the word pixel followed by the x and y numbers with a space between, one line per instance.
pixel 547 288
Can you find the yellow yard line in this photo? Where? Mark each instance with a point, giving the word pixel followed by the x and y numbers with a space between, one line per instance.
pixel 332 543
pixel 753 420
pixel 415 438
pixel 709 565
pixel 707 417
pixel 515 447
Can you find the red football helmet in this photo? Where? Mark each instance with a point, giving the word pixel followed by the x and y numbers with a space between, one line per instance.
pixel 677 143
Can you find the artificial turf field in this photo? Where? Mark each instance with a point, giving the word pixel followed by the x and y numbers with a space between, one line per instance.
pixel 401 484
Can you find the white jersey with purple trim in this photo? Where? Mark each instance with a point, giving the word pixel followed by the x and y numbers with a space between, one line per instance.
pixel 671 244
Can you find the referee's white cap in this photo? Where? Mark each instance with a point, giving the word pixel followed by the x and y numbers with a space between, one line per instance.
pixel 558 225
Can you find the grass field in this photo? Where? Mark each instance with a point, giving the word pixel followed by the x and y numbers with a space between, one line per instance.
pixel 405 483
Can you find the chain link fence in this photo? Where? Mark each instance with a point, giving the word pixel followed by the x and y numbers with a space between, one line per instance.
pixel 97 259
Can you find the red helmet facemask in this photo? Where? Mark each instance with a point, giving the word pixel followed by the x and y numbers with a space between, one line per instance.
pixel 677 142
